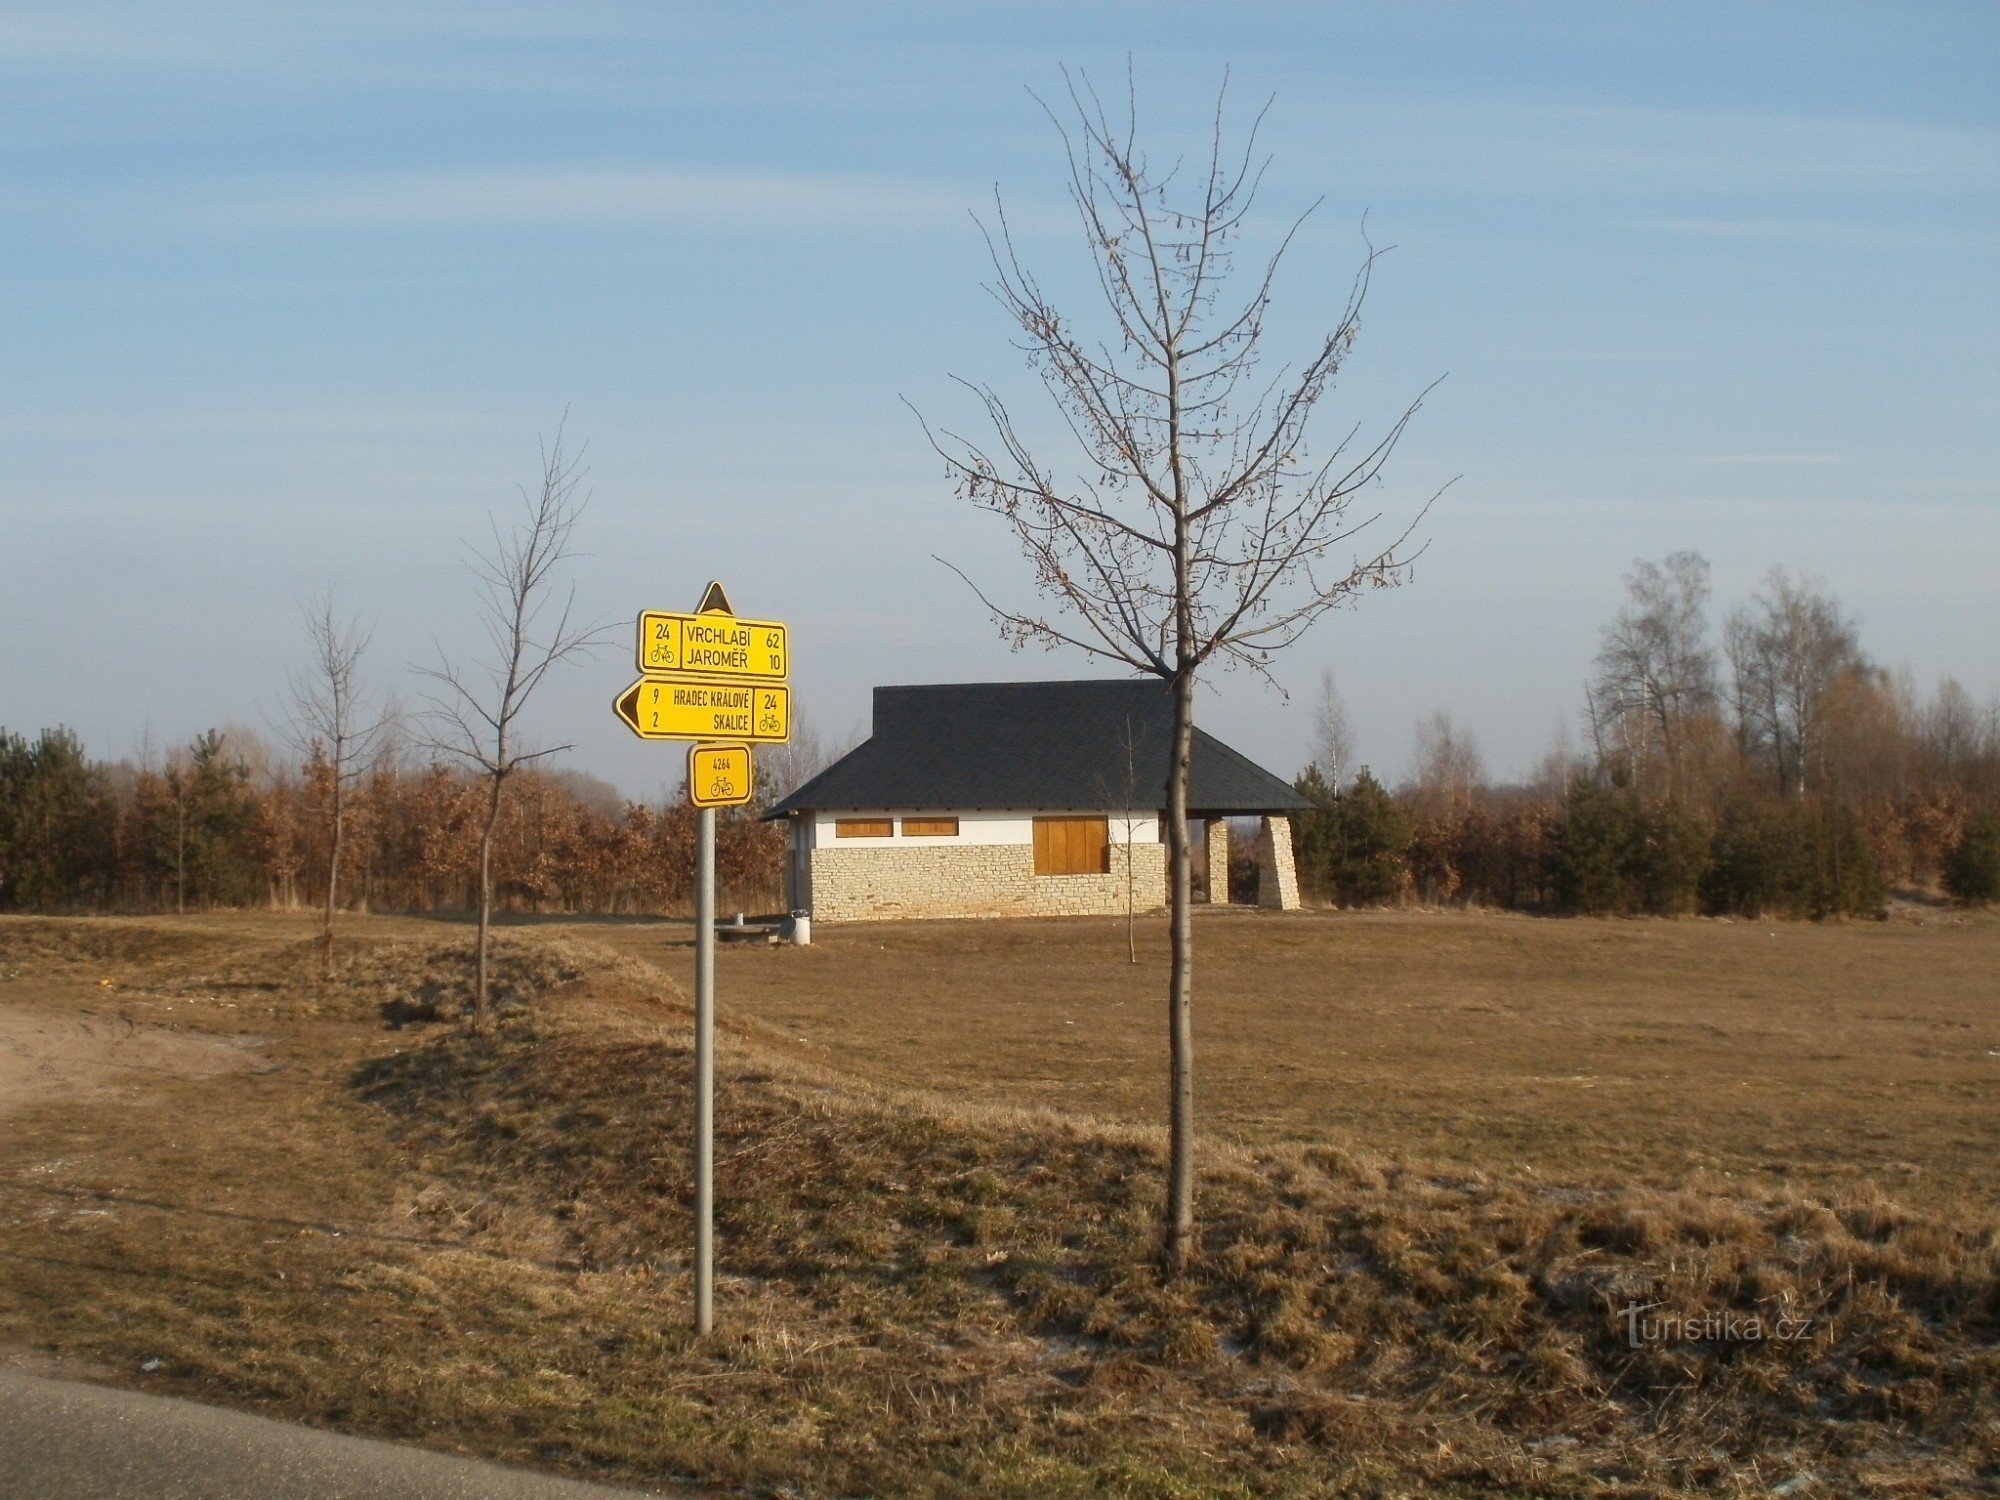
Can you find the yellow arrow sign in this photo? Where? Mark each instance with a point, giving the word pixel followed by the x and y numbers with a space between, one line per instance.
pixel 668 709
pixel 719 775
pixel 712 645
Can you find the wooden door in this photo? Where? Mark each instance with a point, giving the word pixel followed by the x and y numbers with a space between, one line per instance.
pixel 1072 846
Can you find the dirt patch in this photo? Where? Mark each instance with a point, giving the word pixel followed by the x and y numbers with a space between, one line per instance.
pixel 50 1366
pixel 50 1051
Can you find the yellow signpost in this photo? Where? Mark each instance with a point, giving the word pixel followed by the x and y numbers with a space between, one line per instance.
pixel 709 676
pixel 719 775
pixel 667 708
pixel 712 645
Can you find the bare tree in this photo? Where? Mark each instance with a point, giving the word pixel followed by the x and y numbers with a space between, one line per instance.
pixel 1655 686
pixel 474 715
pixel 1447 769
pixel 1556 772
pixel 329 718
pixel 1787 648
pixel 1199 525
pixel 1333 733
pixel 176 779
pixel 1126 797
pixel 782 769
pixel 1960 741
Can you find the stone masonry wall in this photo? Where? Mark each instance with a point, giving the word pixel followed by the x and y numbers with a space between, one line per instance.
pixel 1277 867
pixel 1216 831
pixel 974 880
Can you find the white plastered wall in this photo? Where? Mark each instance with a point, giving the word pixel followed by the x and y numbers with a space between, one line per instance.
pixel 975 828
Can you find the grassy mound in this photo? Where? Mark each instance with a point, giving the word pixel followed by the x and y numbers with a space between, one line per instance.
pixel 408 981
pixel 916 1301
pixel 90 947
pixel 404 978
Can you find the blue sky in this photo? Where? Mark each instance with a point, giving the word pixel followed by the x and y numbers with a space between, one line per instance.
pixel 289 293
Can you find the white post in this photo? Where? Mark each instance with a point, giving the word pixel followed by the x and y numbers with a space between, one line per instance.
pixel 704 1073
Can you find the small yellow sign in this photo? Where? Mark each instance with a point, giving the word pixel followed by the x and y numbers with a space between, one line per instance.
pixel 719 775
pixel 712 645
pixel 666 709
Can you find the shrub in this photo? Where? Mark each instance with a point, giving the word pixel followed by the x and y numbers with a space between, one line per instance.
pixel 1501 852
pixel 1792 860
pixel 56 822
pixel 1353 845
pixel 1669 855
pixel 1610 852
pixel 1590 848
pixel 1847 874
pixel 1972 864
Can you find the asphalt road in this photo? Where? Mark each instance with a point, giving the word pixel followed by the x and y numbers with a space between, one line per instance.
pixel 62 1440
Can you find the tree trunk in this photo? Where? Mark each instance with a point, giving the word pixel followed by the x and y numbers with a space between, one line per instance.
pixel 482 1013
pixel 1178 1242
pixel 332 885
pixel 1131 887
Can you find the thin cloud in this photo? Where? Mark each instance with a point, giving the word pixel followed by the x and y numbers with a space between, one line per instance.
pixel 53 37
pixel 1783 460
pixel 1800 231
pixel 709 200
pixel 131 426
pixel 1503 146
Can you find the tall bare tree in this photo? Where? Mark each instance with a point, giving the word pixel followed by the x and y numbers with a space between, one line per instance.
pixel 1655 689
pixel 474 714
pixel 329 717
pixel 1198 525
pixel 1787 649
pixel 1960 741
pixel 1332 733
pixel 1447 769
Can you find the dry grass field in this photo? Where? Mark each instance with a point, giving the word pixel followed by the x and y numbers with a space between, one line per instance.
pixel 1652 1050
pixel 1446 1151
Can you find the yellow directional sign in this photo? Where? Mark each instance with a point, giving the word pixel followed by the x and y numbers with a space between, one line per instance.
pixel 712 645
pixel 667 709
pixel 719 775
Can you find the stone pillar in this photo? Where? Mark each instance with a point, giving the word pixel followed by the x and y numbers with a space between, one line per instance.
pixel 1216 830
pixel 798 864
pixel 1277 873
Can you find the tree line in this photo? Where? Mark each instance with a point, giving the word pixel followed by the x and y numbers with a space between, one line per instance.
pixel 1769 767
pixel 443 809
pixel 225 822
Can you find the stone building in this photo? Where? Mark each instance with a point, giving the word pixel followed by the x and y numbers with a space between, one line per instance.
pixel 1022 799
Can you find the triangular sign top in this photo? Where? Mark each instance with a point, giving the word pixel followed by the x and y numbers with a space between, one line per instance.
pixel 714 602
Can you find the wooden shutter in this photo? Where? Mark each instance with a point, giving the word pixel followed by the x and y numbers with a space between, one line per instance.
pixel 864 828
pixel 930 828
pixel 1072 846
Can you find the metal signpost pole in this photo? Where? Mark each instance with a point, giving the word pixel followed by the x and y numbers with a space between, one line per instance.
pixel 704 1072
pixel 719 681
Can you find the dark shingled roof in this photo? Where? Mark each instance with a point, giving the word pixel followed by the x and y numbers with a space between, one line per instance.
pixel 1033 746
